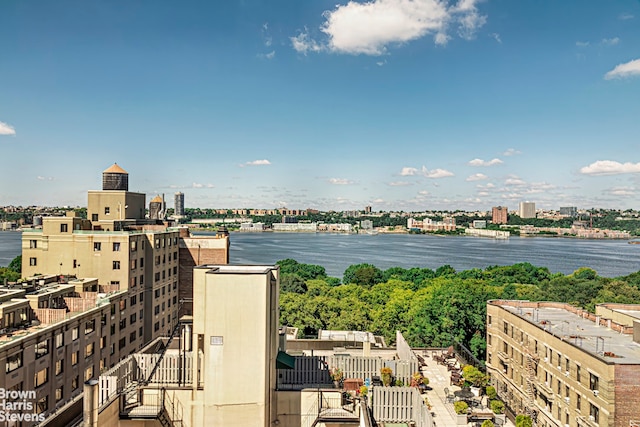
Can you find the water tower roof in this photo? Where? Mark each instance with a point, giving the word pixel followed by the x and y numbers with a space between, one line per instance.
pixel 156 199
pixel 115 169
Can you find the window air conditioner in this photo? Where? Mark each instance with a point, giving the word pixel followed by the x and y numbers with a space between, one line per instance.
pixel 592 418
pixel 566 373
pixel 595 392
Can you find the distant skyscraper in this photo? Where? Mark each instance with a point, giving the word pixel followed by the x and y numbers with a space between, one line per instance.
pixel 571 211
pixel 178 204
pixel 499 215
pixel 527 210
pixel 367 209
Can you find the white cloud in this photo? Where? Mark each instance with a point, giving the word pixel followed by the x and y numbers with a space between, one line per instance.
pixel 423 193
pixel 268 40
pixel 269 55
pixel 628 69
pixel 610 167
pixel 263 162
pixel 44 178
pixel 582 44
pixel 496 36
pixel 483 193
pixel 378 200
pixel 477 177
pixel 6 129
pixel 514 180
pixel 408 171
pixel 625 16
pixel 399 184
pixel 370 27
pixel 610 42
pixel 511 152
pixel 480 162
pixel 302 43
pixel 434 173
pixel 339 181
pixel 623 191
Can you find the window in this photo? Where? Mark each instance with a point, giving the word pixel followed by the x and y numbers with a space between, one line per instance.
pixel 89 350
pixel 578 373
pixel 578 398
pixel 141 297
pixel 74 383
pixel 156 326
pixel 41 377
pixel 33 244
pixel 123 324
pixel 134 264
pixel 90 326
pixel 134 246
pixel 59 394
pixel 88 373
pixel 594 413
pixel 42 348
pixel 74 358
pixel 505 327
pixel 14 362
pixel 157 276
pixel 59 366
pixel 116 246
pixel 594 382
pixel 97 246
pixel 141 280
pixel 94 217
pixel 132 336
pixel 33 261
pixel 132 318
pixel 122 343
pixel 64 228
pixel 113 329
pixel 59 339
pixel 133 300
pixel 103 342
pixel 123 304
pixel 175 270
pixel 113 349
pixel 74 333
pixel 107 210
pixel 156 309
pixel 141 262
pixel 157 293
pixel 42 405
pixel 116 265
pixel 75 263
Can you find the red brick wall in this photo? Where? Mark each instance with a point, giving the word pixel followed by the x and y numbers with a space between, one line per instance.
pixel 627 394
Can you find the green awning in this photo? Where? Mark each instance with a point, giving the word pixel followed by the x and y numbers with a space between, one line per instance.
pixel 285 361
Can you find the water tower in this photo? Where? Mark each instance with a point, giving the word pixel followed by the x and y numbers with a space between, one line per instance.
pixel 115 178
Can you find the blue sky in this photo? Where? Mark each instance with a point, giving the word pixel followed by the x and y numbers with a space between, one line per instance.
pixel 400 104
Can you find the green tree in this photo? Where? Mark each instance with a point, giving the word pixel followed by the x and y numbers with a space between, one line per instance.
pixel 16 264
pixel 524 421
pixel 292 283
pixel 362 274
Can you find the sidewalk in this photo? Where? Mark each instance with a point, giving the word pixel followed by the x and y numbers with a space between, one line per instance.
pixel 439 378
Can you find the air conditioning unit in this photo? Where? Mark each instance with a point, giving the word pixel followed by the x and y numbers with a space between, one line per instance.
pixel 566 399
pixel 595 392
pixel 559 368
pixel 566 373
pixel 592 418
pixel 546 359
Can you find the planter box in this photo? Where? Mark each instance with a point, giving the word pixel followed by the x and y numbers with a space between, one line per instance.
pixel 461 419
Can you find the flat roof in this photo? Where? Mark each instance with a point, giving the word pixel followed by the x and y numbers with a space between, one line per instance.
pixel 580 332
pixel 237 269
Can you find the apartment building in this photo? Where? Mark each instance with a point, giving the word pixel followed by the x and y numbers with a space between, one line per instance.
pixel 527 210
pixel 499 215
pixel 565 366
pixel 55 336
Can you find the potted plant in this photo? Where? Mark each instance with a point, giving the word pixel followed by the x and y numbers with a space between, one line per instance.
pixel 364 390
pixel 385 373
pixel 491 392
pixel 337 376
pixel 524 421
pixel 498 408
pixel 475 378
pixel 487 423
pixel 461 409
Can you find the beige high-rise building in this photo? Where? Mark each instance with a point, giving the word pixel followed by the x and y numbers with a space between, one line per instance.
pixel 565 366
pixel 527 210
pixel 117 246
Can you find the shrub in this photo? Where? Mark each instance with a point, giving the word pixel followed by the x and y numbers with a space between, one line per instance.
pixel 364 390
pixel 487 423
pixel 497 407
pixel 491 392
pixel 460 407
pixel 524 421
pixel 399 383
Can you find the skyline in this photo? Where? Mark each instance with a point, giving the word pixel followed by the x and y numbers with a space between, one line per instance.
pixel 428 105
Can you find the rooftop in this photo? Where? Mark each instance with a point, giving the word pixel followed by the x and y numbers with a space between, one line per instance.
pixel 577 328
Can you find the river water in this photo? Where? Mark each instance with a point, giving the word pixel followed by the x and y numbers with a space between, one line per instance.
pixel 336 252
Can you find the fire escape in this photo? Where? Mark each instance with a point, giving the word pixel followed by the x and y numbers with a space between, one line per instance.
pixel 531 365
